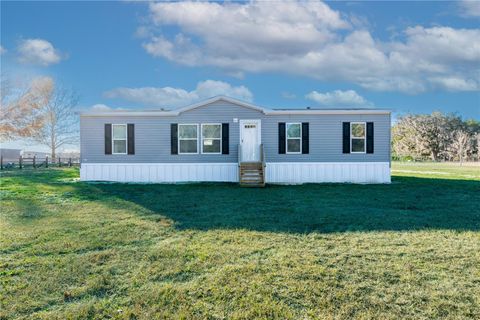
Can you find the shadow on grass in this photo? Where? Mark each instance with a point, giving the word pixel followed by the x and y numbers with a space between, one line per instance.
pixel 406 204
pixel 409 203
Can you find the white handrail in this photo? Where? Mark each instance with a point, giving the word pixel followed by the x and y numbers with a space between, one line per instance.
pixel 239 154
pixel 261 153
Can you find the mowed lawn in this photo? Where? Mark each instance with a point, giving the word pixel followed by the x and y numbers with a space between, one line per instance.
pixel 408 250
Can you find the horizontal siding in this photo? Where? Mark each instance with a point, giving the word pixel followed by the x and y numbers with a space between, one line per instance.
pixel 326 138
pixel 152 136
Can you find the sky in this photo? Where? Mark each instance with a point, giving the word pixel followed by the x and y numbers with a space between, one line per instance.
pixel 413 57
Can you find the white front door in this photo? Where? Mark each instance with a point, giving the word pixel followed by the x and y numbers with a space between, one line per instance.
pixel 250 139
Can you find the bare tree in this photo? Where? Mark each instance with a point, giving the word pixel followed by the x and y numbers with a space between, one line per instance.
pixel 405 141
pixel 60 125
pixel 21 107
pixel 430 136
pixel 460 145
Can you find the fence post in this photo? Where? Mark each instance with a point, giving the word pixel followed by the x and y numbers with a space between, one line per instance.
pixel 1 162
pixel 20 160
pixel 46 161
pixel 69 162
pixel 34 162
pixel 59 161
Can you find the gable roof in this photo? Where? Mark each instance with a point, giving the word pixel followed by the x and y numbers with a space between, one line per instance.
pixel 265 111
pixel 221 98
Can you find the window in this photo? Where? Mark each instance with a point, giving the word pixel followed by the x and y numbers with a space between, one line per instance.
pixel 357 137
pixel 119 138
pixel 211 138
pixel 294 138
pixel 187 138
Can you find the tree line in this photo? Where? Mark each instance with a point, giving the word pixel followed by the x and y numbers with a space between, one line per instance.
pixel 38 111
pixel 436 137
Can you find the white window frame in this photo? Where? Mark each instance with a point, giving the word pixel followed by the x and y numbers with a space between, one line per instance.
pixel 202 138
pixel 299 138
pixel 187 124
pixel 364 137
pixel 126 138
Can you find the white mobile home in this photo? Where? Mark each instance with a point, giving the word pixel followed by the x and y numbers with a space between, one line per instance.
pixel 224 139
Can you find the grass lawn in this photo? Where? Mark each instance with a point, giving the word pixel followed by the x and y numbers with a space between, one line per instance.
pixel 406 250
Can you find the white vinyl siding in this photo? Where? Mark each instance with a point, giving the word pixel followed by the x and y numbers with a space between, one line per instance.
pixel 188 138
pixel 358 132
pixel 294 138
pixel 119 138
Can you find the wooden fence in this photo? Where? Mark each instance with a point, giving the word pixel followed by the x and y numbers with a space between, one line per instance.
pixel 36 162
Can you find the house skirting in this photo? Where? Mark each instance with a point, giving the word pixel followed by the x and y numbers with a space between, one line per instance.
pixel 276 172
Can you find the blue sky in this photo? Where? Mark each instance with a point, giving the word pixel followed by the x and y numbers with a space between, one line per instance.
pixel 405 56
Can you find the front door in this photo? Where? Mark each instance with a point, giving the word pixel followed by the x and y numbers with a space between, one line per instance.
pixel 250 139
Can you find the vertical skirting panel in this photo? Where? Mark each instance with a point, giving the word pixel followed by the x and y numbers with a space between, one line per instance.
pixel 159 172
pixel 276 172
pixel 317 172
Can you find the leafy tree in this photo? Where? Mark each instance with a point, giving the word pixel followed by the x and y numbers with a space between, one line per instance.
pixel 39 112
pixel 21 107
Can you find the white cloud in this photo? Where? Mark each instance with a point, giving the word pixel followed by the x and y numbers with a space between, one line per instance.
pixel 311 39
pixel 100 107
pixel 455 84
pixel 175 97
pixel 2 50
pixel 469 8
pixel 339 98
pixel 38 51
pixel 254 29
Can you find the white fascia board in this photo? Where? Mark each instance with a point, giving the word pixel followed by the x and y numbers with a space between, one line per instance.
pixel 266 112
pixel 313 112
pixel 129 113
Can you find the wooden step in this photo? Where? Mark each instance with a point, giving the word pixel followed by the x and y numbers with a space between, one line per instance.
pixel 251 174
pixel 251 178
pixel 251 167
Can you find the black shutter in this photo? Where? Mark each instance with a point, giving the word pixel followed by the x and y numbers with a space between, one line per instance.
pixel 108 138
pixel 369 137
pixel 281 137
pixel 174 138
pixel 305 138
pixel 346 137
pixel 225 138
pixel 131 138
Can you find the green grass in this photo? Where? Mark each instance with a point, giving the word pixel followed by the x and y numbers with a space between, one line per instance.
pixel 407 250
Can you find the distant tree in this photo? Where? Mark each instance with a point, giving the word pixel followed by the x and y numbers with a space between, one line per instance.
pixel 405 141
pixel 59 126
pixel 436 136
pixel 476 146
pixel 21 107
pixel 473 127
pixel 460 146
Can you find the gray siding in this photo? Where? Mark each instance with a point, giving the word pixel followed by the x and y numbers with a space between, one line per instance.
pixel 152 136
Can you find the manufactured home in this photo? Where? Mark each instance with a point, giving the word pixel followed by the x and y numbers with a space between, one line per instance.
pixel 224 139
